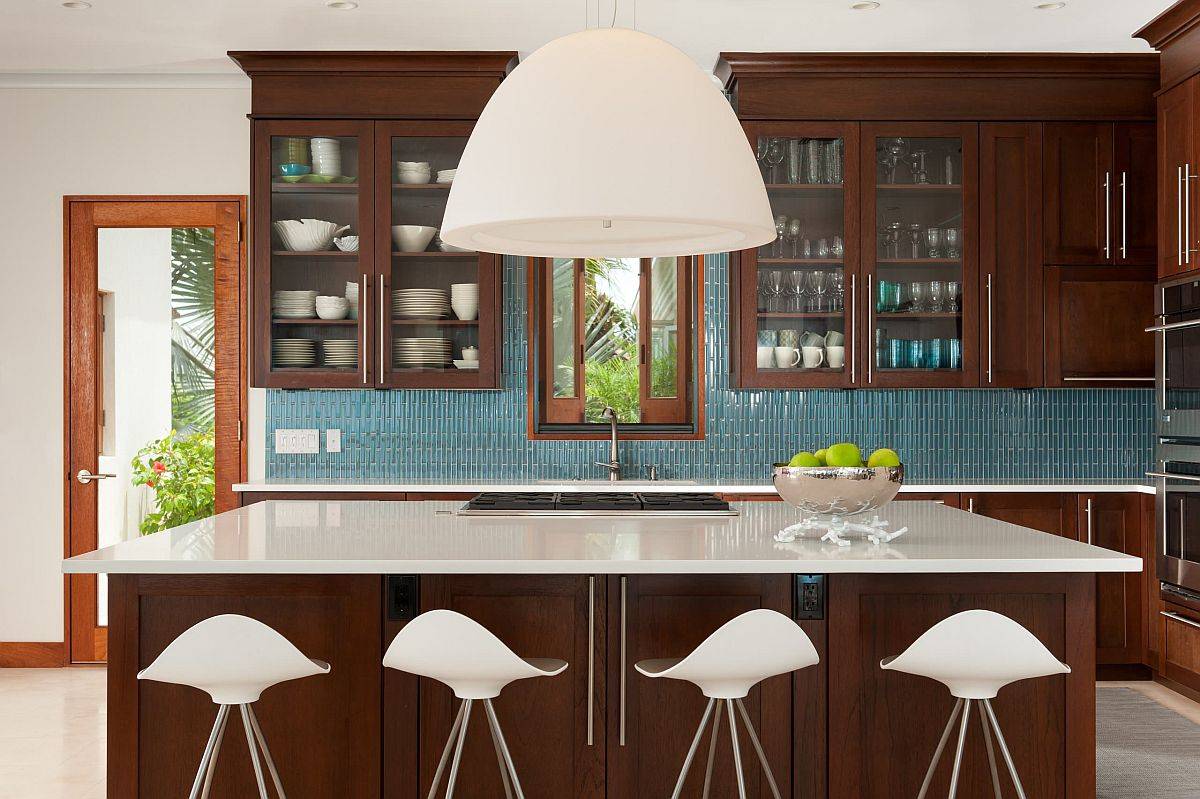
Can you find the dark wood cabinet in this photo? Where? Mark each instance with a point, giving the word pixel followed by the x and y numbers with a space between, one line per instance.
pixel 1113 521
pixel 1050 512
pixel 1179 640
pixel 1095 327
pixel 1177 165
pixel 1135 198
pixel 651 722
pixel 1010 255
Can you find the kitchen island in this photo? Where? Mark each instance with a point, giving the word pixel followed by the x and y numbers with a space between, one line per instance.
pixel 341 578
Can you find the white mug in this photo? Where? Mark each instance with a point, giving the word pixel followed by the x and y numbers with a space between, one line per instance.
pixel 836 356
pixel 813 357
pixel 766 357
pixel 834 338
pixel 470 354
pixel 786 357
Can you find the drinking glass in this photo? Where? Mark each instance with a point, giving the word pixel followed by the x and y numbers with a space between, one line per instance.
pixel 823 250
pixel 954 353
pixel 914 240
pixel 916 162
pixel 793 234
pixel 933 242
pixel 837 284
pixel 776 150
pixel 806 250
pixel 795 287
pixel 761 154
pixel 894 152
pixel 933 354
pixel 838 248
pixel 890 237
pixel 953 289
pixel 774 288
pixel 818 284
pixel 793 160
pixel 833 162
pixel 881 345
pixel 764 290
pixel 882 293
pixel 781 223
pixel 814 171
pixel 897 353
pixel 951 237
pixel 916 354
pixel 937 296
pixel 948 171
pixel 916 292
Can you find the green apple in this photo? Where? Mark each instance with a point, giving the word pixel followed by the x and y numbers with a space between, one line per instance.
pixel 883 457
pixel 843 454
pixel 804 459
pixel 820 456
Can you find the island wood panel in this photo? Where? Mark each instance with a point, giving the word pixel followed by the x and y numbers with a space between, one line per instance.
pixel 400 731
pixel 875 715
pixel 545 720
pixel 652 721
pixel 1113 521
pixel 1049 512
pixel 323 731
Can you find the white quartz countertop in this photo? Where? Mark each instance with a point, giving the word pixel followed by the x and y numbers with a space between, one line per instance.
pixel 381 537
pixel 689 486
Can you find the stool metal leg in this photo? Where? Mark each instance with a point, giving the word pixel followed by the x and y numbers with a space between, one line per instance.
pixel 712 748
pixel 212 761
pixel 458 748
pixel 1012 768
pixel 958 752
pixel 737 753
pixel 687 761
pixel 762 756
pixel 941 747
pixel 262 744
pixel 987 739
pixel 441 766
pixel 258 772
pixel 500 760
pixel 512 770
pixel 206 758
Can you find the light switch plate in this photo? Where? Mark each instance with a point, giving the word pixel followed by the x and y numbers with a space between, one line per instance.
pixel 297 442
pixel 333 440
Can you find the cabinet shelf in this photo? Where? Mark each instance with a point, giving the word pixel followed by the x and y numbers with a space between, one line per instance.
pixel 918 187
pixel 801 315
pixel 805 186
pixel 799 261
pixel 918 315
pixel 435 254
pixel 918 261
pixel 313 188
pixel 438 322
pixel 420 187
pixel 313 254
pixel 317 322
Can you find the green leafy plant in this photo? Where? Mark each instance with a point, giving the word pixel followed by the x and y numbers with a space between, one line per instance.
pixel 180 471
pixel 612 383
pixel 193 328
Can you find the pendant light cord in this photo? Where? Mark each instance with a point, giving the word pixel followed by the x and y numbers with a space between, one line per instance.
pixel 587 15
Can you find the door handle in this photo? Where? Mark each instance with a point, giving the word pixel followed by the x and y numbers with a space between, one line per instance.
pixel 970 504
pixel 870 321
pixel 989 326
pixel 1179 216
pixel 1107 214
pixel 1124 215
pixel 1187 213
pixel 854 328
pixel 85 477
pixel 362 325
pixel 621 720
pixel 591 707
pixel 1088 510
pixel 384 319
pixel 1177 617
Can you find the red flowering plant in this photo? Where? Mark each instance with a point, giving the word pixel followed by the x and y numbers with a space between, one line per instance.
pixel 180 470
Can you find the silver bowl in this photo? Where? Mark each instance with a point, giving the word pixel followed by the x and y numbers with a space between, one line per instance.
pixel 837 490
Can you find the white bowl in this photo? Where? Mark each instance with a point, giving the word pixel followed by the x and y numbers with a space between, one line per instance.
pixel 306 235
pixel 413 165
pixel 409 178
pixel 346 243
pixel 412 238
pixel 465 309
pixel 331 312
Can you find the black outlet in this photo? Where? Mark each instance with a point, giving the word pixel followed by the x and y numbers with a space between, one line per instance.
pixel 810 596
pixel 402 597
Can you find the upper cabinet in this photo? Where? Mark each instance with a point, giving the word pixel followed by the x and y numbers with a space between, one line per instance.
pixel 353 156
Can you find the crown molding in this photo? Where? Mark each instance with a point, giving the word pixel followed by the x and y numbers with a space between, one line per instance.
pixel 123 80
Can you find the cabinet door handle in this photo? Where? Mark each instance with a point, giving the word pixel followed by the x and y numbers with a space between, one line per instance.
pixel 621 719
pixel 1088 511
pixel 362 326
pixel 383 320
pixel 1183 619
pixel 970 504
pixel 870 321
pixel 1124 215
pixel 1168 476
pixel 1108 379
pixel 1179 216
pixel 854 328
pixel 989 326
pixel 591 710
pixel 1107 214
pixel 1187 213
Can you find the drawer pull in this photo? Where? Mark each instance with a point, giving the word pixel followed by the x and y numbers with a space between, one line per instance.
pixel 1183 619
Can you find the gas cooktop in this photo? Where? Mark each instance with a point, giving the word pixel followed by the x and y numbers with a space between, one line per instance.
pixel 607 503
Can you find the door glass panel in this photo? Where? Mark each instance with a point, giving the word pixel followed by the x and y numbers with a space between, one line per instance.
pixel 562 332
pixel 917 288
pixel 664 327
pixel 154 382
pixel 611 321
pixel 315 276
pixel 801 283
pixel 433 287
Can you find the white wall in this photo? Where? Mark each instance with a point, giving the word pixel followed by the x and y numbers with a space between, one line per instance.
pixel 77 141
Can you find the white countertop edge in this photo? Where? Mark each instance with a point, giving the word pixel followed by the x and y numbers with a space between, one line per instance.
pixel 316 486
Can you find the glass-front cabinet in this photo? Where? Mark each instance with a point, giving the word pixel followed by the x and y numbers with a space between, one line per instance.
pixel 796 309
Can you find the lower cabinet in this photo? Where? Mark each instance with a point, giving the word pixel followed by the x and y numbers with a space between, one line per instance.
pixel 1049 512
pixel 1113 521
pixel 1179 636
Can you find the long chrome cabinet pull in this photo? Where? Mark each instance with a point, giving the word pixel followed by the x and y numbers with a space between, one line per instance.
pixel 362 326
pixel 1089 520
pixel 971 505
pixel 1108 379
pixel 1179 216
pixel 1173 326
pixel 1124 215
pixel 854 329
pixel 870 321
pixel 989 326
pixel 1177 617
pixel 383 320
pixel 1107 214
pixel 591 713
pixel 621 720
pixel 1187 213
pixel 1168 476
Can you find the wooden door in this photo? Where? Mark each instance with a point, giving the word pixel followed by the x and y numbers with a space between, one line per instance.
pixel 651 722
pixel 1010 255
pixel 1079 192
pixel 554 726
pixel 1135 198
pixel 1113 521
pixel 1176 151
pixel 1095 327
pixel 1050 512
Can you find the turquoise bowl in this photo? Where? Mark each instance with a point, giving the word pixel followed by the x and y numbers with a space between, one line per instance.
pixel 294 169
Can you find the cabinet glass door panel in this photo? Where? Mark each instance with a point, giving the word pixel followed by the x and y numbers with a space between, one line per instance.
pixel 918 238
pixel 797 293
pixel 318 263
pixel 437 303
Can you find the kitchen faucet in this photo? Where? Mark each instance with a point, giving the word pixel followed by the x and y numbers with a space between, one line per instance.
pixel 614 457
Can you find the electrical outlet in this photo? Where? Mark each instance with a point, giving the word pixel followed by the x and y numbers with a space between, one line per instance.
pixel 333 440
pixel 297 442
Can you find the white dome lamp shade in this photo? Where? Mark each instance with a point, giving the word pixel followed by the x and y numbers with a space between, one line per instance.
pixel 608 143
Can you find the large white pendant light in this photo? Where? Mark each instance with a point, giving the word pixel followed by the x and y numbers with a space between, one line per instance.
pixel 608 143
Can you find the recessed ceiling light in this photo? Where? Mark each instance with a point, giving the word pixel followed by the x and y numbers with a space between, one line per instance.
pixel 342 5
pixel 76 4
pixel 865 6
pixel 1050 6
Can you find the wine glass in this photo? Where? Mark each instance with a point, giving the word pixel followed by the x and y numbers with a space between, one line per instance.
pixel 764 290
pixel 953 289
pixel 793 232
pixel 933 242
pixel 937 294
pixel 914 240
pixel 917 163
pixel 951 237
pixel 795 286
pixel 781 222
pixel 916 291
pixel 838 248
pixel 837 285
pixel 894 151
pixel 776 150
pixel 761 154
pixel 774 288
pixel 818 284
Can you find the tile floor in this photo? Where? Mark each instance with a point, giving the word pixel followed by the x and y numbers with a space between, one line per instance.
pixel 52 727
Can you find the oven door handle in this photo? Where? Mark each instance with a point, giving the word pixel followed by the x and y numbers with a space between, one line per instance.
pixel 1173 326
pixel 1169 476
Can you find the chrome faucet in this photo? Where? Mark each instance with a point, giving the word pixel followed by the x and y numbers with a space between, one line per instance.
pixel 614 457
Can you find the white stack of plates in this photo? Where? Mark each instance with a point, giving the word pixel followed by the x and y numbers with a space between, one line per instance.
pixel 340 352
pixel 327 157
pixel 352 295
pixel 420 304
pixel 413 352
pixel 446 175
pixel 294 304
pixel 294 352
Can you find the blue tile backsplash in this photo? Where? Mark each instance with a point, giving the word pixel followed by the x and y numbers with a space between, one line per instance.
pixel 965 436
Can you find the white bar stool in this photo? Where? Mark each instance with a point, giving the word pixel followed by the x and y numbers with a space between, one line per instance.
pixel 976 653
pixel 742 653
pixel 460 652
pixel 233 659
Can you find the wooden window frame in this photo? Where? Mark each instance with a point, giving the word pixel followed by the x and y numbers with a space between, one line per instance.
pixel 543 414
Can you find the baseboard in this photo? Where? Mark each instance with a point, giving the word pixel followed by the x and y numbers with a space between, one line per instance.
pixel 33 655
pixel 1184 690
pixel 1124 672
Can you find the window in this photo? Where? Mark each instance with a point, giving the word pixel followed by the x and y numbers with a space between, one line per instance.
pixel 614 332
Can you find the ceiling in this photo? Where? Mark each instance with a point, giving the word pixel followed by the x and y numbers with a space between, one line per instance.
pixel 192 36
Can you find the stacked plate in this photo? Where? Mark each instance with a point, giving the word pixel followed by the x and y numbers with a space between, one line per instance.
pixel 420 304
pixel 293 352
pixel 340 352
pixel 414 352
pixel 327 157
pixel 294 304
pixel 446 175
pixel 352 296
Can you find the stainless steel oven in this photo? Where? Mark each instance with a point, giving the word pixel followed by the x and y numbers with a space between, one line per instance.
pixel 1177 363
pixel 1177 480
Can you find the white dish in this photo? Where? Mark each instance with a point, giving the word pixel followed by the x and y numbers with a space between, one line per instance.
pixel 466 364
pixel 346 244
pixel 306 235
pixel 412 238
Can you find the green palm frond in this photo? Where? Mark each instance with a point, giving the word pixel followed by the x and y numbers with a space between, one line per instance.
pixel 193 328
